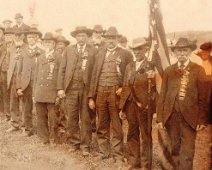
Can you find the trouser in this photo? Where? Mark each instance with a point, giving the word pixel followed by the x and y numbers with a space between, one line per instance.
pixel 182 137
pixel 108 113
pixel 139 140
pixel 93 120
pixel 27 108
pixel 46 121
pixel 61 114
pixel 16 116
pixel 77 110
pixel 5 94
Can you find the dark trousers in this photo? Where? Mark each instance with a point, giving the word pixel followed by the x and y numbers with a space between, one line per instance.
pixel 138 139
pixel 27 108
pixel 5 94
pixel 182 137
pixel 78 118
pixel 16 116
pixel 47 121
pixel 108 114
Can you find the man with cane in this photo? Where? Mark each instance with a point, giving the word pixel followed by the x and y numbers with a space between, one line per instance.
pixel 136 105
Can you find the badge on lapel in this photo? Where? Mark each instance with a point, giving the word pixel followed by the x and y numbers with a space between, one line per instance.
pixel 84 60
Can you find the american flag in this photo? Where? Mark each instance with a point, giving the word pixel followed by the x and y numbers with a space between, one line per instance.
pixel 157 37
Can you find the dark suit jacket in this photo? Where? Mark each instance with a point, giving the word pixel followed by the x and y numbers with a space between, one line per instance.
pixel 68 65
pixel 45 86
pixel 170 87
pixel 23 27
pixel 3 55
pixel 137 88
pixel 125 57
pixel 26 67
pixel 13 63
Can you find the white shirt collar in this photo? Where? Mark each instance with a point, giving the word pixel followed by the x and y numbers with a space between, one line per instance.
pixel 138 64
pixel 19 25
pixel 50 53
pixel 83 47
pixel 185 64
pixel 32 47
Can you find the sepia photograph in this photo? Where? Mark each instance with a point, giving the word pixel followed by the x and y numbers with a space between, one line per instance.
pixel 105 85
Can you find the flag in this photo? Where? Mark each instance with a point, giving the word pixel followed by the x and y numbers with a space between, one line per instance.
pixel 157 38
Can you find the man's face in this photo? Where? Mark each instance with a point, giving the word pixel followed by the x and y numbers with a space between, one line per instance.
pixel 111 42
pixel 18 39
pixel 97 37
pixel 140 53
pixel 7 24
pixel 49 44
pixel 9 38
pixel 81 38
pixel 60 46
pixel 182 54
pixel 19 20
pixel 32 38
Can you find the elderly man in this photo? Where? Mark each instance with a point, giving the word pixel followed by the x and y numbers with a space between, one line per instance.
pixel 14 55
pixel 7 23
pixel 4 62
pixel 74 82
pixel 178 106
pixel 97 37
pixel 106 87
pixel 61 44
pixel 45 90
pixel 137 104
pixel 19 23
pixel 25 77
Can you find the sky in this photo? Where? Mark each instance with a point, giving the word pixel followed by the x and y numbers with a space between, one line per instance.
pixel 129 16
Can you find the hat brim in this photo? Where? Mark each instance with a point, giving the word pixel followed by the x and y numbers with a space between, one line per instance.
pixel 87 31
pixel 64 41
pixel 37 33
pixel 192 47
pixel 141 45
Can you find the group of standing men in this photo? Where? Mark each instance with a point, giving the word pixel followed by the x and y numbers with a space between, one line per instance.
pixel 97 84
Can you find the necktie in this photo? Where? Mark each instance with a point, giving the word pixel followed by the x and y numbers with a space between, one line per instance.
pixel 80 51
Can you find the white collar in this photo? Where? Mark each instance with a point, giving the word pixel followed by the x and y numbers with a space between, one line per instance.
pixel 19 25
pixel 138 64
pixel 83 47
pixel 32 47
pixel 185 64
pixel 111 50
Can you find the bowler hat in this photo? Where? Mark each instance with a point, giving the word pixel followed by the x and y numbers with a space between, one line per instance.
pixel 49 36
pixel 184 43
pixel 18 15
pixel 81 29
pixel 61 38
pixel 207 46
pixel 112 32
pixel 9 31
pixel 34 30
pixel 98 28
pixel 139 42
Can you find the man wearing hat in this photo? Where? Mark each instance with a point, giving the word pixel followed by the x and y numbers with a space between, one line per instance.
pixel 97 37
pixel 4 62
pixel 138 89
pixel 179 102
pixel 25 76
pixel 7 23
pixel 58 32
pixel 105 90
pixel 14 55
pixel 19 22
pixel 123 42
pixel 73 83
pixel 45 89
pixel 61 44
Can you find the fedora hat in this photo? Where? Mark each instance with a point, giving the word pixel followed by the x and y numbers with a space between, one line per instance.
pixel 112 32
pixel 49 36
pixel 81 29
pixel 33 30
pixel 18 15
pixel 63 39
pixel 184 43
pixel 98 28
pixel 139 42
pixel 9 31
pixel 207 46
pixel 7 21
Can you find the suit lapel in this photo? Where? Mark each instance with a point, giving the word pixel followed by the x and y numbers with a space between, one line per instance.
pixel 101 60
